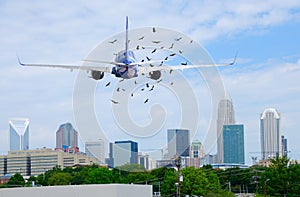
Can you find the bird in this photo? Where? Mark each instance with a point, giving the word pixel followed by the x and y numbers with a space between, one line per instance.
pixel 171 71
pixel 142 89
pixel 131 94
pixel 152 88
pixel 137 47
pixel 156 41
pixel 177 39
pixel 123 90
pixel 171 46
pixel 121 80
pixel 153 29
pixel 151 65
pixel 115 40
pixel 148 58
pixel 173 54
pixel 147 85
pixel 180 51
pixel 135 82
pixel 146 100
pixel 107 84
pixel 141 38
pixel 118 89
pixel 172 83
pixel 191 41
pixel 159 81
pixel 184 63
pixel 153 51
pixel 114 102
pixel 166 58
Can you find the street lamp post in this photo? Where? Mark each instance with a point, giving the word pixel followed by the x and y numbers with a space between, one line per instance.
pixel 265 187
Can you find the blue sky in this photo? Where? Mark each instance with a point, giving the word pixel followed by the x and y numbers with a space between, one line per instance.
pixel 266 74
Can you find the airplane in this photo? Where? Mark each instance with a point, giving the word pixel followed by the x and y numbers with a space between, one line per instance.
pixel 126 66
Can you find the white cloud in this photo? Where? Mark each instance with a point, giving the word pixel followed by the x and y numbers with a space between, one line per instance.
pixel 65 31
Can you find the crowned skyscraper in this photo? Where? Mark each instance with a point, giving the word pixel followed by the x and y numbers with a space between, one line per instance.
pixel 270 134
pixel 225 117
pixel 19 134
pixel 66 136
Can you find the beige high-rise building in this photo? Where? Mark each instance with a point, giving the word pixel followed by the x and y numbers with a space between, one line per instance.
pixel 225 117
pixel 270 134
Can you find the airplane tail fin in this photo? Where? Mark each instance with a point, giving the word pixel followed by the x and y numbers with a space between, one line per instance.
pixel 126 41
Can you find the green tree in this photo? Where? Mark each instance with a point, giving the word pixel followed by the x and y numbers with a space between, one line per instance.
pixel 138 178
pixel 275 177
pixel 98 176
pixel 16 180
pixel 194 181
pixel 60 178
pixel 168 187
pixel 132 168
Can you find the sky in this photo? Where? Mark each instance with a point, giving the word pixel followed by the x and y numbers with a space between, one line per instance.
pixel 265 34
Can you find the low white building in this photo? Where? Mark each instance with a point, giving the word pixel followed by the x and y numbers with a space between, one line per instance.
pixel 111 190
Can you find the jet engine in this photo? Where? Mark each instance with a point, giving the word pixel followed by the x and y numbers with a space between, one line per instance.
pixel 97 75
pixel 155 75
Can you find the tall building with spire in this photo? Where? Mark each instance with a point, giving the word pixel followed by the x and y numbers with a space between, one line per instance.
pixel 225 117
pixel 19 134
pixel 270 134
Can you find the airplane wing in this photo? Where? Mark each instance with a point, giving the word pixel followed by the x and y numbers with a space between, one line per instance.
pixel 71 67
pixel 147 69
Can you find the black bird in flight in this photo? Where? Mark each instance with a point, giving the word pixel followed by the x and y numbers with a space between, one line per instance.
pixel 177 39
pixel 152 88
pixel 146 100
pixel 156 41
pixel 153 29
pixel 107 84
pixel 115 40
pixel 184 63
pixel 114 102
pixel 141 38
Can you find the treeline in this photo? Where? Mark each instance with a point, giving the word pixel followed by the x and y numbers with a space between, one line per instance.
pixel 281 178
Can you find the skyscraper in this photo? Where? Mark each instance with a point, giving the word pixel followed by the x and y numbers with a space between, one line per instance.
pixel 66 136
pixel 196 154
pixel 19 134
pixel 95 149
pixel 233 141
pixel 178 142
pixel 270 134
pixel 284 146
pixel 123 152
pixel 225 117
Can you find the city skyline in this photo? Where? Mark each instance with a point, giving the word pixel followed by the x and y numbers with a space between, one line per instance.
pixel 265 75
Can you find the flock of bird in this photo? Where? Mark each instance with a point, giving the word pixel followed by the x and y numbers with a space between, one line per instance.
pixel 147 85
